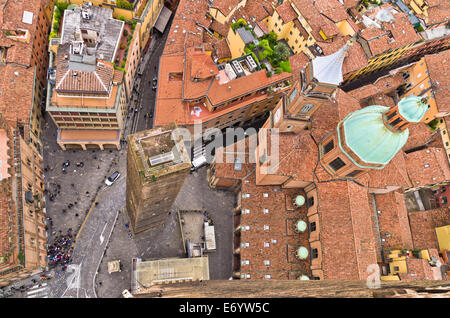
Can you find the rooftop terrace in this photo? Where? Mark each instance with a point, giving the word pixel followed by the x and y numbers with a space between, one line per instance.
pixel 159 151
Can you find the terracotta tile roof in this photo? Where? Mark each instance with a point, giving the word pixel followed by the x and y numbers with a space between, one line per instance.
pixel 348 244
pixel 418 269
pixel 423 224
pixel 391 36
pixel 259 9
pixel 438 11
pixel 438 70
pixel 350 3
pixel 16 97
pixel 427 166
pixel 393 220
pixel 286 13
pixel 364 91
pixel 11 18
pixel 301 29
pixel 194 66
pixel 225 6
pixel 118 76
pixel 225 157
pixel 263 26
pixel 315 19
pixel 298 61
pixel 393 174
pixel 345 104
pixel 220 28
pixel 294 149
pixel 332 9
pixel 71 80
pixel 202 66
pixel 282 241
pixel 185 18
pixel 419 134
pixel 222 50
pixel 240 86
pixel 355 57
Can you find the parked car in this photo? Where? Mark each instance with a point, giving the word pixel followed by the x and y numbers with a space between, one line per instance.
pixel 155 83
pixel 66 164
pixel 112 178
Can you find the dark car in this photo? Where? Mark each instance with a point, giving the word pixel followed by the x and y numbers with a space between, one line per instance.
pixel 154 83
pixel 112 178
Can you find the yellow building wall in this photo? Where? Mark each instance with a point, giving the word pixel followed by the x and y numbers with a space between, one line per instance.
pixel 390 277
pixel 443 236
pixel 345 28
pixel 235 44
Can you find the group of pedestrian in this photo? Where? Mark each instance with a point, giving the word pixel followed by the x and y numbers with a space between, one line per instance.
pixel 52 193
pixel 60 252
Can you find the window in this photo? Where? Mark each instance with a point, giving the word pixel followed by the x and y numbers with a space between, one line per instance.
pixel 395 122
pixel 353 173
pixel 266 211
pixel 305 109
pixel 311 201
pixel 312 226
pixel 267 276
pixel 337 164
pixel 266 227
pixel 328 147
pixel 314 253
pixel 176 76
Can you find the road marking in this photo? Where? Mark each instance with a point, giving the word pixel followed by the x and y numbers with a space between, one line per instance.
pixel 85 219
pixel 38 293
pixel 101 235
pixel 36 286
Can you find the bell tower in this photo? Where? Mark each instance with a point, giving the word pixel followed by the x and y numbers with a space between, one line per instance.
pixel 316 85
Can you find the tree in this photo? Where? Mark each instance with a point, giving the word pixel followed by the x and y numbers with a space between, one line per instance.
pixel 62 6
pixel 281 51
pixel 124 4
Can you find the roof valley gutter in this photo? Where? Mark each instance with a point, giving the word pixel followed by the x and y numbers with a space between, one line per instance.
pixel 377 224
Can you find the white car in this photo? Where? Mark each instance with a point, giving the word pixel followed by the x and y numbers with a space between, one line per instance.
pixel 112 178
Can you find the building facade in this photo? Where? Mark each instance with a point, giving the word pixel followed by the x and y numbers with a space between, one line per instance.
pixel 22 207
pixel 87 94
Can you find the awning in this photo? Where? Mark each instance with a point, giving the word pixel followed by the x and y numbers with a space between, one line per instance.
pixel 163 18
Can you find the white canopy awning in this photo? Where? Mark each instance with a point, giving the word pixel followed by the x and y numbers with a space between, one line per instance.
pixel 163 18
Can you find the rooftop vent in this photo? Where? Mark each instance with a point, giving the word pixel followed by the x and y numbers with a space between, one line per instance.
pixel 162 158
pixel 75 74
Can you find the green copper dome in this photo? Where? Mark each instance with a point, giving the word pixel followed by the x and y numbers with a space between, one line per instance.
pixel 412 108
pixel 368 137
pixel 299 200
pixel 302 252
pixel 301 226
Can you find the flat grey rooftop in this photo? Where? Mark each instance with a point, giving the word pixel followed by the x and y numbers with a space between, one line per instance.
pixel 101 21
